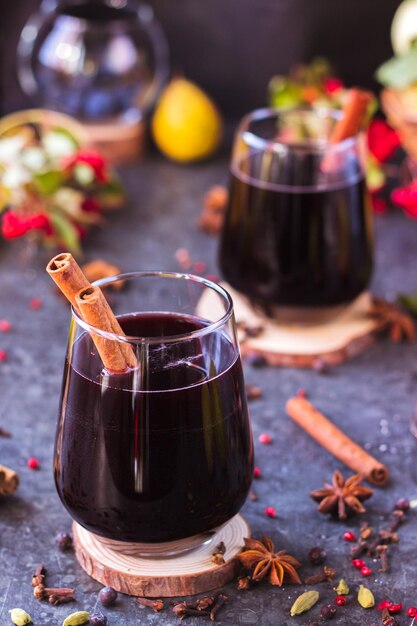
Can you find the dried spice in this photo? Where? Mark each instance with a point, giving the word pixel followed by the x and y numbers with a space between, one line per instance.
pixel 366 597
pixel 253 392
pixel 220 601
pixel 155 605
pixel 387 619
pixel 365 530
pixel 55 595
pixel 328 573
pixel 340 600
pixel 342 588
pixel 206 606
pixel 20 617
pixel 279 566
pixel 76 619
pixel 97 269
pixel 214 207
pixel 399 325
pixel 382 552
pixel 328 611
pixel 342 497
pixel 38 575
pixel 244 583
pixel 217 556
pixel 317 555
pixel 304 602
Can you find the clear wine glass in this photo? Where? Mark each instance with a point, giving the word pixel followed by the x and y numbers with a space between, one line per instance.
pixel 297 238
pixel 162 452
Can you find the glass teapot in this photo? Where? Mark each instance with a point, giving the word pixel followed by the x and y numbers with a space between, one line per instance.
pixel 93 59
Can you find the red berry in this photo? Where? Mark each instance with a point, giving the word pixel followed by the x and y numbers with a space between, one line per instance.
pixel 358 563
pixel 395 608
pixel 340 600
pixel 199 267
pixel 35 304
pixel 33 463
pixel 302 393
pixel 270 511
pixel 257 472
pixel 384 604
pixel 412 611
pixel 366 571
pixel 264 438
pixel 5 326
pixel 3 355
pixel 349 536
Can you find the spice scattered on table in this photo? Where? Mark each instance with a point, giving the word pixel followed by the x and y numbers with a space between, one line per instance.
pixel 33 463
pixel 9 481
pixel 76 619
pixel 304 602
pixel 98 619
pixel 253 392
pixel 35 304
pixel 342 588
pixel 19 617
pixel 214 208
pixel 327 574
pixel 3 355
pixel 257 472
pixel 107 596
pixel 265 438
pixel 217 556
pixel 270 511
pixel 328 611
pixel 264 561
pixel 342 497
pixel 64 541
pixel 317 555
pixel 5 326
pixel 155 605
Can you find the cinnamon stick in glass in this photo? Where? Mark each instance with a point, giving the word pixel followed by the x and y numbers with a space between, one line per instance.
pixel 353 115
pixel 117 356
pixel 335 441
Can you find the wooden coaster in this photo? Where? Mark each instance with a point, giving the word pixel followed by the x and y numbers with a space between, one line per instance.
pixel 331 343
pixel 187 574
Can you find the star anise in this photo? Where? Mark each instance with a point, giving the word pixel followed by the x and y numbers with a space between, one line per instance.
pixel 399 325
pixel 342 497
pixel 261 556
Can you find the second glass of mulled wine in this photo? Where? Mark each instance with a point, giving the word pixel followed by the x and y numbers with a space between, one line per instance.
pixel 297 238
pixel 162 451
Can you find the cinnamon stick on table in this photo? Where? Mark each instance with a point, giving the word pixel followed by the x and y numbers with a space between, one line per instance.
pixel 335 441
pixel 92 306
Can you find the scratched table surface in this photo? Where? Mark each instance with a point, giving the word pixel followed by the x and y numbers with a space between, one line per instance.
pixel 371 397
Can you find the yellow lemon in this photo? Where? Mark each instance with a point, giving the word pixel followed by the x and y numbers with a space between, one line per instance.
pixel 186 125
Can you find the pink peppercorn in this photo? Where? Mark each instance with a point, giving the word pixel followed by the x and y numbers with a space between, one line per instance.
pixel 5 326
pixel 412 611
pixel 3 355
pixel 366 571
pixel 35 304
pixel 257 472
pixel 340 600
pixel 349 536
pixel 270 511
pixel 358 563
pixel 33 463
pixel 265 438
pixel 395 608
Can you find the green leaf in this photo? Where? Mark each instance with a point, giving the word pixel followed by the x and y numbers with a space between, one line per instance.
pixel 66 232
pixel 400 71
pixel 409 302
pixel 48 182
pixel 284 93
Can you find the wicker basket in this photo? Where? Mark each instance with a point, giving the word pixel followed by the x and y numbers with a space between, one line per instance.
pixel 400 107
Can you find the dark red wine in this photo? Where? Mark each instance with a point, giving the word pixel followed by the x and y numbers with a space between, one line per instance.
pixel 162 453
pixel 297 247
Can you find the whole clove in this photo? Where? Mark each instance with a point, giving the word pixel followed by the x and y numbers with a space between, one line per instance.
pixel 328 573
pixel 38 575
pixel 155 605
pixel 244 583
pixel 183 610
pixel 219 602
pixel 365 530
pixel 387 619
pixel 217 556
pixel 60 594
pixel 359 549
pixel 397 520
pixel 382 552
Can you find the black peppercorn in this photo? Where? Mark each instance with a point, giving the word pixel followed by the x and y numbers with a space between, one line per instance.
pixel 328 611
pixel 317 555
pixel 64 541
pixel 107 596
pixel 98 619
pixel 402 504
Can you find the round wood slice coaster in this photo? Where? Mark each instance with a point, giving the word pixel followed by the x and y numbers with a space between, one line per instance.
pixel 331 343
pixel 188 574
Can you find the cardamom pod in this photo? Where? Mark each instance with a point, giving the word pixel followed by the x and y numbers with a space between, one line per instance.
pixel 77 618
pixel 304 602
pixel 366 598
pixel 342 588
pixel 20 617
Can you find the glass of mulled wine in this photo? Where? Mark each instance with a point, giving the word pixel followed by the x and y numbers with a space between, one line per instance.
pixel 297 238
pixel 163 451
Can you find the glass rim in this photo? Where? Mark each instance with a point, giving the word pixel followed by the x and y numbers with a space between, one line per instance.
pixel 254 141
pixel 212 326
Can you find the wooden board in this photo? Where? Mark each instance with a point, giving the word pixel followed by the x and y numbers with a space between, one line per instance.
pixel 331 343
pixel 190 573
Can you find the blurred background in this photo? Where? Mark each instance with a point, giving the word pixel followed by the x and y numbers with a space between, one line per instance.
pixel 259 38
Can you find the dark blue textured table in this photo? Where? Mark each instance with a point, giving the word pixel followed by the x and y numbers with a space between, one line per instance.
pixel 371 397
